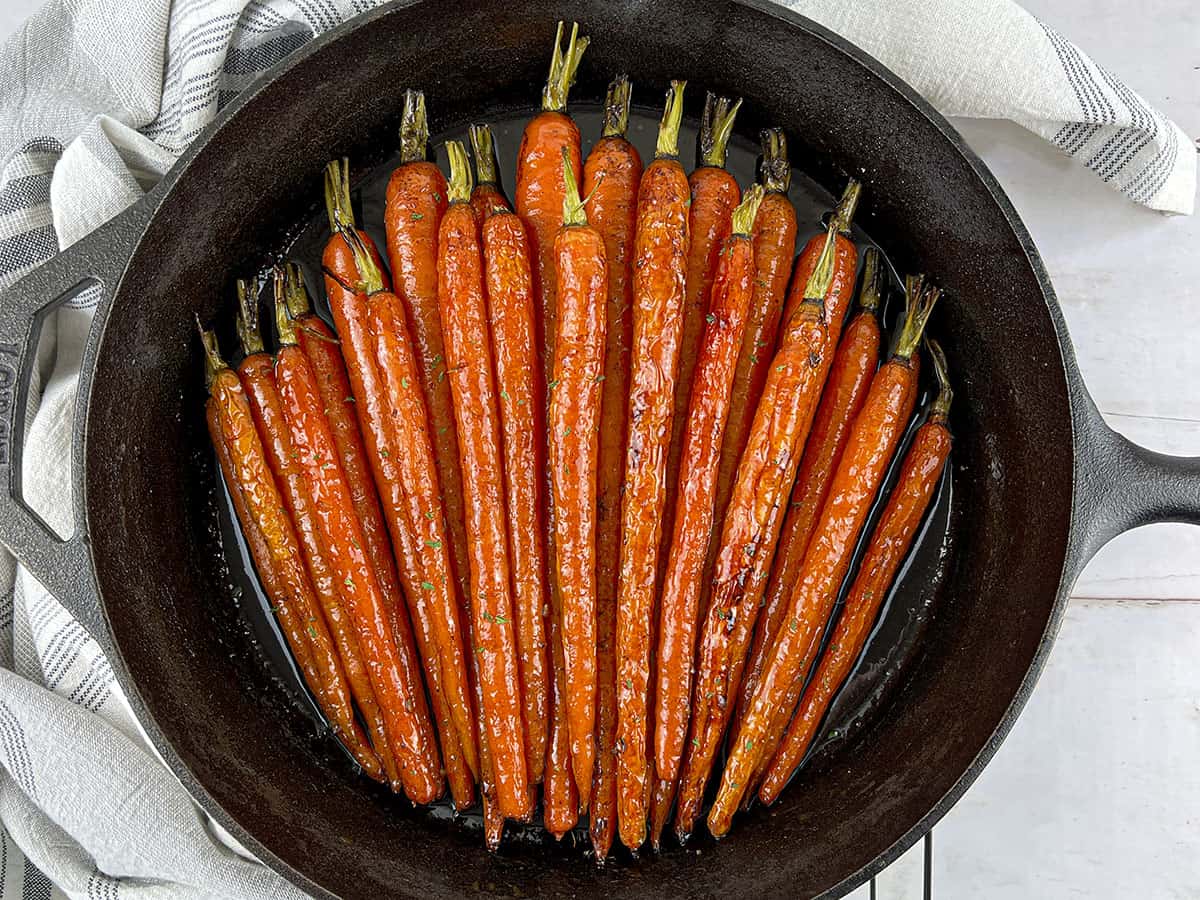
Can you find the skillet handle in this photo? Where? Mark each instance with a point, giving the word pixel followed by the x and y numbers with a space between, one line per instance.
pixel 1120 486
pixel 64 566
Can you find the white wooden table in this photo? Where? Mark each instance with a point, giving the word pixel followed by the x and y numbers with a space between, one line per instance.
pixel 1097 791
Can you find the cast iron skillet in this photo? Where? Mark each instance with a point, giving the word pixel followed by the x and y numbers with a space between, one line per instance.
pixel 1040 482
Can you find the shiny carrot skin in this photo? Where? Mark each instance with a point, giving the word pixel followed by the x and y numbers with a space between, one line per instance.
pixel 258 381
pixel 754 516
pixel 463 309
pixel 611 176
pixel 416 200
pixel 581 272
pixel 774 252
pixel 714 195
pixel 876 432
pixel 890 544
pixel 352 319
pixel 560 796
pixel 662 801
pixel 540 189
pixel 519 376
pixel 410 734
pixel 659 272
pixel 721 341
pixel 854 364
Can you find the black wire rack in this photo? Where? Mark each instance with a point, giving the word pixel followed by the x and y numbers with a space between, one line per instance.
pixel 927 867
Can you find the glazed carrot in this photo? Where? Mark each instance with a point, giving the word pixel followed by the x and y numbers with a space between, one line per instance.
pixel 581 273
pixel 540 189
pixel 751 527
pixel 487 197
pixel 560 796
pixel 256 372
pixel 662 802
pixel 721 340
pixel 714 195
pixel 774 253
pixel 890 543
pixel 844 277
pixel 877 430
pixel 854 364
pixel 415 204
pixel 519 376
pixel 410 734
pixel 610 182
pixel 659 272
pixel 476 410
pixel 351 314
pixel 291 592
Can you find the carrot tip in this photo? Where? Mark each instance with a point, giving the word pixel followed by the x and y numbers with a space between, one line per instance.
pixel 775 170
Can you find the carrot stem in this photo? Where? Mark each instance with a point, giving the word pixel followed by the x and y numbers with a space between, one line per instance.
pixel 247 319
pixel 337 194
pixel 573 211
pixel 668 132
pixel 371 278
pixel 616 107
pixel 563 68
pixel 483 145
pixel 460 183
pixel 414 127
pixel 920 300
pixel 212 354
pixel 294 293
pixel 940 410
pixel 745 212
pixel 871 296
pixel 818 282
pixel 843 216
pixel 284 324
pixel 775 170
pixel 716 126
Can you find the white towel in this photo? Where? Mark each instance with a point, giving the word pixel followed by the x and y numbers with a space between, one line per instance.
pixel 97 98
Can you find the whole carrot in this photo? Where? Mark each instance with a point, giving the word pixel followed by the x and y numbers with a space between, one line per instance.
pixel 714 195
pixel 476 410
pixel 487 197
pixel 581 272
pixel 540 189
pixel 890 543
pixel 751 527
pixel 410 734
pixel 519 376
pixel 352 314
pixel 774 252
pixel 876 431
pixel 853 366
pixel 415 203
pixel 659 272
pixel 721 340
pixel 258 381
pixel 610 182
pixel 292 594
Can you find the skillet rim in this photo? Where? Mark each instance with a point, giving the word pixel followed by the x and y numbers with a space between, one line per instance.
pixel 150 206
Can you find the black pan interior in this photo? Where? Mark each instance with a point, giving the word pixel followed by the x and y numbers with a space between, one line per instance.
pixel 200 682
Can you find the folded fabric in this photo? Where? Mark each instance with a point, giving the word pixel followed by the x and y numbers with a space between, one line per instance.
pixel 97 99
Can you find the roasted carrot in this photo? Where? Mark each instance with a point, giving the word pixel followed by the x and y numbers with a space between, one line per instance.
pixel 410 734
pixel 751 528
pixel 476 410
pixel 415 204
pixel 487 196
pixel 853 366
pixel 774 253
pixel 581 273
pixel 352 316
pixel 662 802
pixel 540 189
pixel 844 277
pixel 890 543
pixel 560 796
pixel 877 430
pixel 610 182
pixel 659 273
pixel 705 415
pixel 287 581
pixel 256 372
pixel 714 195
pixel 519 376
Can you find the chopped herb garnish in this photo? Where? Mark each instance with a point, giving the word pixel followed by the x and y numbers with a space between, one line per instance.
pixel 404 382
pixel 629 683
pixel 504 395
pixel 710 318
pixel 417 217
pixel 749 744
pixel 500 620
pixel 427 585
pixel 312 632
pixel 567 431
pixel 349 582
pixel 553 384
pixel 354 544
pixel 793 626
pixel 780 368
pixel 429 516
pixel 436 545
pixel 754 358
pixel 384 454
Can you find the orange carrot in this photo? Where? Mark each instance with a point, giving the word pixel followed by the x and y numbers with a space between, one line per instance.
pixel 659 273
pixel 610 182
pixel 877 429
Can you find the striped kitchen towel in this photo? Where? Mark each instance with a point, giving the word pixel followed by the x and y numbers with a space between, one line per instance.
pixel 97 100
